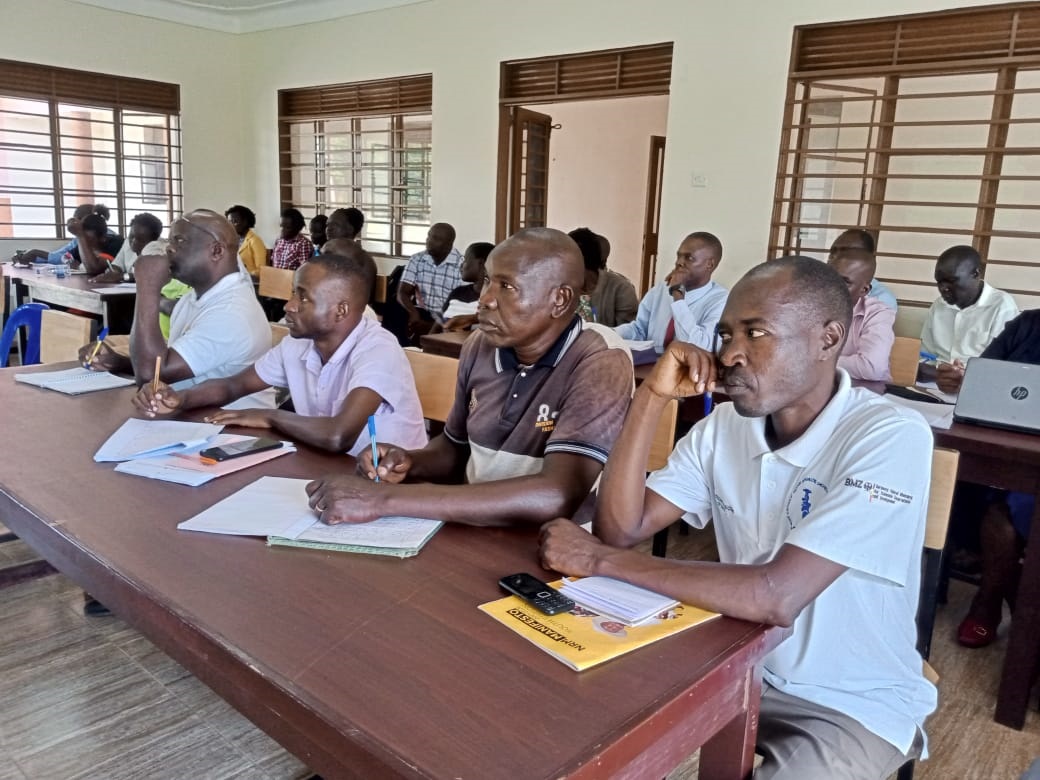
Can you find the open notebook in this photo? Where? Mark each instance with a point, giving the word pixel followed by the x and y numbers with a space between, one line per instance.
pixel 73 381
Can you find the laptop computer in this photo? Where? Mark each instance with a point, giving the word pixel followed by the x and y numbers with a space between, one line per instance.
pixel 1000 394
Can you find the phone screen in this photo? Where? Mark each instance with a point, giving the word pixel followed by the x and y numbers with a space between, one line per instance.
pixel 225 451
pixel 527 586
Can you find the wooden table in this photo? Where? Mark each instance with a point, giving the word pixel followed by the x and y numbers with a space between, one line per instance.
pixel 111 305
pixel 1010 461
pixel 365 666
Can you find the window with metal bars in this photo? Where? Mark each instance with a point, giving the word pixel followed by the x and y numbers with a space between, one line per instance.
pixel 68 137
pixel 925 130
pixel 365 145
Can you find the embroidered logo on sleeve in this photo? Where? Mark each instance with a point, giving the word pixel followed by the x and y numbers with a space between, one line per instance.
pixel 803 499
pixel 881 493
pixel 546 420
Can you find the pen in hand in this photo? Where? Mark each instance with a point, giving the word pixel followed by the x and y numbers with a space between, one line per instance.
pixel 155 377
pixel 372 440
pixel 100 338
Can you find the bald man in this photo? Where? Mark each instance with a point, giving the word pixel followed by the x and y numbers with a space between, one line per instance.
pixel 868 346
pixel 817 492
pixel 539 401
pixel 216 330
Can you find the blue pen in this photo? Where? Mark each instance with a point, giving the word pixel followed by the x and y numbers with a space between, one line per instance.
pixel 100 338
pixel 372 439
pixel 929 356
pixel 707 404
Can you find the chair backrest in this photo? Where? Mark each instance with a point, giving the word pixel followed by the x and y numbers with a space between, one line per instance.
pixel 379 289
pixel 28 315
pixel 903 360
pixel 664 437
pixel 940 500
pixel 278 332
pixel 62 335
pixel 275 283
pixel 435 377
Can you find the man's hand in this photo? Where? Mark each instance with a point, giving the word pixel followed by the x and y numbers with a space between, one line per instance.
pixel 151 272
pixel 569 549
pixel 345 498
pixel 683 370
pixel 164 402
pixel 949 376
pixel 462 322
pixel 394 463
pixel 106 358
pixel 677 292
pixel 247 418
pixel 108 276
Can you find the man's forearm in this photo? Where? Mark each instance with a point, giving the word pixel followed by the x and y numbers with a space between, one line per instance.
pixel 440 461
pixel 323 432
pixel 146 339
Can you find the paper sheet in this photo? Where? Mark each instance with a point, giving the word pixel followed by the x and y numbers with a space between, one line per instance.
pixel 185 468
pixel 394 532
pixel 938 415
pixel 267 507
pixel 139 438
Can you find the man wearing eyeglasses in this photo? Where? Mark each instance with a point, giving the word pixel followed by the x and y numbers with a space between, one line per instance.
pixel 687 305
pixel 216 330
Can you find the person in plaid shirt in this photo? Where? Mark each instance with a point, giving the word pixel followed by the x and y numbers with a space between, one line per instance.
pixel 429 278
pixel 292 250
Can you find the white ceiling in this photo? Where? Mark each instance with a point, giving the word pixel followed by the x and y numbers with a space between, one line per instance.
pixel 242 16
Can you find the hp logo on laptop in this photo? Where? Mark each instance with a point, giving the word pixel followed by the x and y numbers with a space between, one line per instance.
pixel 1020 393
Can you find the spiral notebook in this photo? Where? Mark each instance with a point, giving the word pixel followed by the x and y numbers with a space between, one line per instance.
pixel 74 381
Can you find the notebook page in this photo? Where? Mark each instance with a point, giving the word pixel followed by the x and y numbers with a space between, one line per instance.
pixel 137 438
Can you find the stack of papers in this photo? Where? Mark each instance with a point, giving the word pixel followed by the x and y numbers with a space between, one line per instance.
pixel 143 438
pixel 74 381
pixel 276 507
pixel 185 467
pixel 625 603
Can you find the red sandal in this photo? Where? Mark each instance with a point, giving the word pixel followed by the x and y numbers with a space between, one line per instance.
pixel 974 633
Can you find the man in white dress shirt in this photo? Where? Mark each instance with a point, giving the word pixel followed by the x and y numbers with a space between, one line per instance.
pixel 686 306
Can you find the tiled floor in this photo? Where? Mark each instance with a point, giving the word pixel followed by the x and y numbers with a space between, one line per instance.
pixel 92 698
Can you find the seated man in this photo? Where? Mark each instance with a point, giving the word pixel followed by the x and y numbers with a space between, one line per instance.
pixel 340 368
pixel 460 309
pixel 538 403
pixel 818 494
pixel 291 248
pixel 317 228
pixel 857 238
pixel 428 279
pixel 614 300
pixel 870 339
pixel 686 306
pixel 1007 517
pixel 98 246
pixel 216 330
pixel 968 314
pixel 345 223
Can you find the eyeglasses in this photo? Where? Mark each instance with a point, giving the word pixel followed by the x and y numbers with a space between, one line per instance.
pixel 187 218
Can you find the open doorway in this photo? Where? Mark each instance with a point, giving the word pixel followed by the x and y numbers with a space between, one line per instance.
pixel 581 143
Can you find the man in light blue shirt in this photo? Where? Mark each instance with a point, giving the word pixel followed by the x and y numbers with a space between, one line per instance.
pixel 687 305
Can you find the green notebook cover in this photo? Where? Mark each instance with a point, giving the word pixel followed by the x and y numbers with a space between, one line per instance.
pixel 396 552
pixel 400 537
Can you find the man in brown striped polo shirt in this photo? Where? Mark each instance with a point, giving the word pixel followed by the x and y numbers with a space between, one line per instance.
pixel 539 402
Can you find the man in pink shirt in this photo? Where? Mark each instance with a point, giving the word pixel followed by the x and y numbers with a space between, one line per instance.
pixel 869 343
pixel 339 367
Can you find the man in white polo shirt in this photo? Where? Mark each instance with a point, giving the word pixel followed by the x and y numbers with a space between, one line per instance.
pixel 339 366
pixel 818 493
pixel 216 330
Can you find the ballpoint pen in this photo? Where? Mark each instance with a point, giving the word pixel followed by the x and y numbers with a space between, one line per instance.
pixel 100 338
pixel 372 440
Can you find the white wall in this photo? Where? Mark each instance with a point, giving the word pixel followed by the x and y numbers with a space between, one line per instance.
pixel 207 65
pixel 597 170
pixel 728 82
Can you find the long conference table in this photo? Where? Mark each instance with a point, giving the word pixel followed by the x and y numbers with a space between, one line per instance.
pixel 365 666
pixel 109 303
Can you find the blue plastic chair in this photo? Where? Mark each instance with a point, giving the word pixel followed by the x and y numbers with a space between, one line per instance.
pixel 28 314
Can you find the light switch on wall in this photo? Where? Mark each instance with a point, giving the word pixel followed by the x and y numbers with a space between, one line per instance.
pixel 698 179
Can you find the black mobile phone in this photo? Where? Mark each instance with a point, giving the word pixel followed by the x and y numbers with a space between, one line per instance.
pixel 239 448
pixel 536 593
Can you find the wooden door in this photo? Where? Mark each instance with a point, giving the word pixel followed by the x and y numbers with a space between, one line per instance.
pixel 652 217
pixel 528 170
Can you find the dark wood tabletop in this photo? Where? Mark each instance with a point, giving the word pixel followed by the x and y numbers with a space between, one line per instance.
pixel 448 343
pixel 364 666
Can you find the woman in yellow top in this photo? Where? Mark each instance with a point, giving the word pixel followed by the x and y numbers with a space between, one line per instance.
pixel 251 248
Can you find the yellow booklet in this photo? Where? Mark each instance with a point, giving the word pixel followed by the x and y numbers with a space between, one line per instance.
pixel 582 638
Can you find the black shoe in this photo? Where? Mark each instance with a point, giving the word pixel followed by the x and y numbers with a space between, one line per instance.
pixel 94 608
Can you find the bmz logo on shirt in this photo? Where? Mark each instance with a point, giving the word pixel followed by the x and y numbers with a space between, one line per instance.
pixel 806 495
pixel 876 492
pixel 546 420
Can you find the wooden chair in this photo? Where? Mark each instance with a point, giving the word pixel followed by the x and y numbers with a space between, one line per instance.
pixel 278 332
pixel 275 283
pixel 62 334
pixel 940 500
pixel 379 290
pixel 902 362
pixel 435 377
pixel 660 449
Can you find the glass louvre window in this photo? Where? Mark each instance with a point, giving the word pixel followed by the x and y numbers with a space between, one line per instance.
pixel 925 130
pixel 359 152
pixel 117 142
